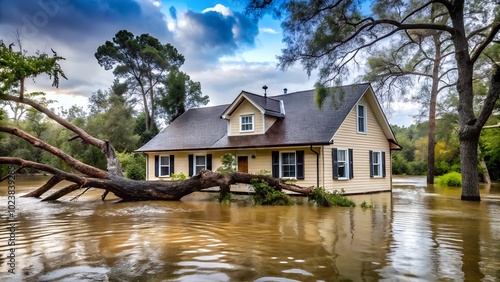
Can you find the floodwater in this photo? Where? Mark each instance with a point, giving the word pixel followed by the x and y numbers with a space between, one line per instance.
pixel 417 233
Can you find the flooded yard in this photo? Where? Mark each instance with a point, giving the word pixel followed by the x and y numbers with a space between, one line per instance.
pixel 415 233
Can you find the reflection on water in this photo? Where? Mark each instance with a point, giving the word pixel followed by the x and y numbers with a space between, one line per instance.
pixel 417 233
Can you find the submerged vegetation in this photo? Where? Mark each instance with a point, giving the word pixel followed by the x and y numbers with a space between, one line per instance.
pixel 450 179
pixel 266 195
pixel 324 198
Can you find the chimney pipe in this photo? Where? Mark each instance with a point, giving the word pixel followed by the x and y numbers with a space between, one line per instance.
pixel 285 90
pixel 265 91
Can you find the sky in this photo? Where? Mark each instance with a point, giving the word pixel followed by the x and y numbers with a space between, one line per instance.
pixel 224 50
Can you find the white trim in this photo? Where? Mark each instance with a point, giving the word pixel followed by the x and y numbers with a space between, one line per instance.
pixel 263 123
pixel 252 122
pixel 160 165
pixel 282 107
pixel 346 165
pixel 380 173
pixel 365 117
pixel 237 102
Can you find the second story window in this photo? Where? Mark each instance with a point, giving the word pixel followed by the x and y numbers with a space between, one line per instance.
pixel 246 123
pixel 361 118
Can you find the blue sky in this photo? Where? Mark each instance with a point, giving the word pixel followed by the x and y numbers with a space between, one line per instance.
pixel 224 49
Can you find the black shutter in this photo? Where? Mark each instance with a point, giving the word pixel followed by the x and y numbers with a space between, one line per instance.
pixel 157 166
pixel 371 163
pixel 351 164
pixel 191 164
pixel 171 164
pixel 209 161
pixel 275 164
pixel 335 166
pixel 383 164
pixel 300 164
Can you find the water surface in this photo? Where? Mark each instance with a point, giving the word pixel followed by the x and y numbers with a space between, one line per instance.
pixel 416 233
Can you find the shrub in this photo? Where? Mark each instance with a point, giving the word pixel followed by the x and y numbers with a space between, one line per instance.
pixel 136 171
pixel 134 165
pixel 266 195
pixel 178 176
pixel 323 198
pixel 450 179
pixel 226 199
pixel 364 205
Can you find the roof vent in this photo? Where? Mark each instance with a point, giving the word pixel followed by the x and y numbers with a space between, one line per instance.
pixel 285 90
pixel 265 90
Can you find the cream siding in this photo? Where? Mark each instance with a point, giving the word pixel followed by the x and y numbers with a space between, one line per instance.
pixel 262 161
pixel 348 138
pixel 246 108
pixel 269 121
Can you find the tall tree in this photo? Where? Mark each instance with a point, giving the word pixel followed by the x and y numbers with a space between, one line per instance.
pixel 415 57
pixel 330 36
pixel 180 93
pixel 144 62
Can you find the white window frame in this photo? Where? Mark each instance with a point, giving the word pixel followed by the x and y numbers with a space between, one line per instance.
pixel 160 166
pixel 281 164
pixel 377 172
pixel 252 123
pixel 346 163
pixel 364 117
pixel 195 164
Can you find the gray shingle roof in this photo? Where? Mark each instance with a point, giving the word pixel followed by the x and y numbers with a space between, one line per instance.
pixel 303 124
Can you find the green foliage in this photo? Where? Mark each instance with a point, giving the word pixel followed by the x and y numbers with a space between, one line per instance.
pixel 266 195
pixel 450 179
pixel 490 148
pixel 226 199
pixel 16 66
pixel 228 162
pixel 134 165
pixel 178 176
pixel 180 93
pixel 327 199
pixel 365 205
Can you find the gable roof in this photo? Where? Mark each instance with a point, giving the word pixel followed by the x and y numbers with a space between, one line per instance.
pixel 266 105
pixel 304 124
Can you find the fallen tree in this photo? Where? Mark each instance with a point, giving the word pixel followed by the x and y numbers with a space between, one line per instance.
pixel 16 67
pixel 112 180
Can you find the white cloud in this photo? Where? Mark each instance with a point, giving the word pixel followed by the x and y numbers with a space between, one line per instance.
pixel 220 9
pixel 268 30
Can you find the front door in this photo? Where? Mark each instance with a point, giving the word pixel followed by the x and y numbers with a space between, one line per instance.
pixel 243 164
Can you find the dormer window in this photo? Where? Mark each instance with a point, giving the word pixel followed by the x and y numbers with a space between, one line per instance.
pixel 246 123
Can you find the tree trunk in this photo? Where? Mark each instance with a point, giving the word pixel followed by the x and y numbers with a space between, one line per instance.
pixel 468 165
pixel 134 190
pixel 486 174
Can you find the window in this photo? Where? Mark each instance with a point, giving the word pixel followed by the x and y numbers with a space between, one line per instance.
pixel 246 123
pixel 164 166
pixel 361 119
pixel 200 162
pixel 342 164
pixel 288 165
pixel 377 164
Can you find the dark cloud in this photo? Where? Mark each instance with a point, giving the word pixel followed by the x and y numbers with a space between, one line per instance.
pixel 173 12
pixel 208 36
pixel 80 18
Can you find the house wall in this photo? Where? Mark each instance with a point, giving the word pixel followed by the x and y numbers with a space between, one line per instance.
pixel 348 138
pixel 246 108
pixel 262 161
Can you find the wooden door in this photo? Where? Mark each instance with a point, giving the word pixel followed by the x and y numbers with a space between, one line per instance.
pixel 243 164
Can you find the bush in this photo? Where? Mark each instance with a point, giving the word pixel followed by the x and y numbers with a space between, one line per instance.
pixel 134 165
pixel 450 179
pixel 266 195
pixel 178 176
pixel 136 171
pixel 323 198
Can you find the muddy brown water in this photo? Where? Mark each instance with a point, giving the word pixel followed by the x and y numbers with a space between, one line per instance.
pixel 415 233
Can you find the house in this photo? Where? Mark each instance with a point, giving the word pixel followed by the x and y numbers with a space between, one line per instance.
pixel 345 145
